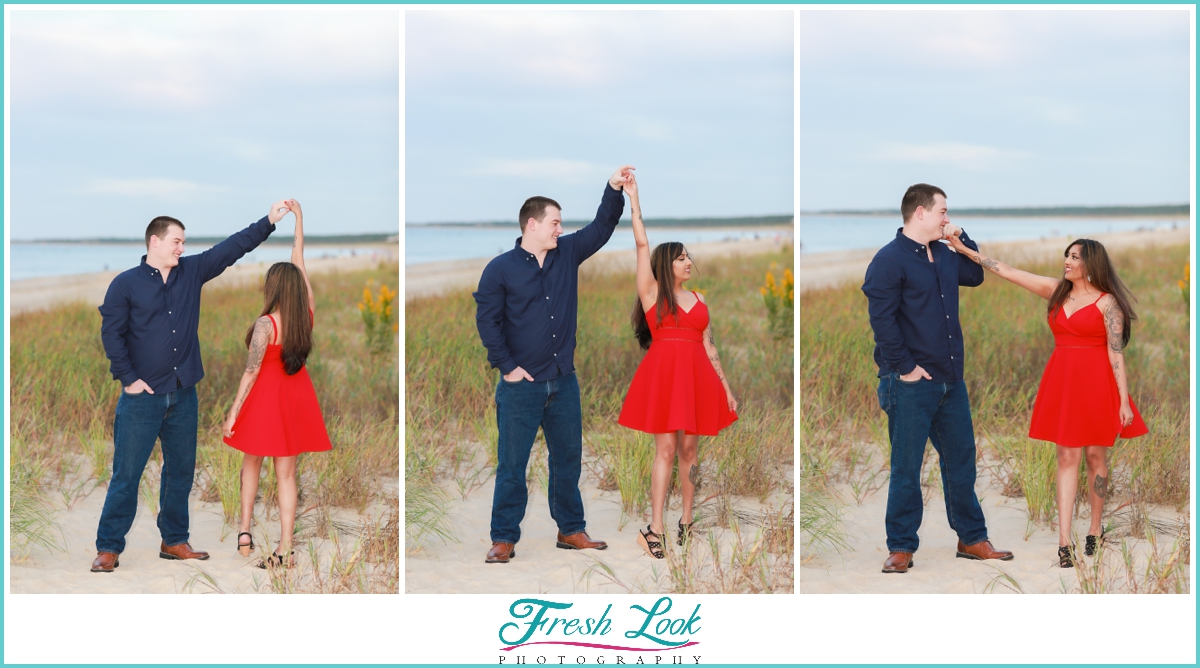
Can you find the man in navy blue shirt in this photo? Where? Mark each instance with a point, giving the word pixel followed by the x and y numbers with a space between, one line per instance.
pixel 912 294
pixel 526 306
pixel 150 322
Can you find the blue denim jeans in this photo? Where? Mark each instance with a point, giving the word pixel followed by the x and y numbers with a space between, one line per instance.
pixel 521 408
pixel 939 412
pixel 141 420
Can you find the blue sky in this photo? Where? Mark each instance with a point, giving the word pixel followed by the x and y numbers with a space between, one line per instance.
pixel 205 115
pixel 504 105
pixel 999 108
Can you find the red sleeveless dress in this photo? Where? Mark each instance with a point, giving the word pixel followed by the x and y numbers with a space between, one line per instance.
pixel 676 387
pixel 281 417
pixel 1078 403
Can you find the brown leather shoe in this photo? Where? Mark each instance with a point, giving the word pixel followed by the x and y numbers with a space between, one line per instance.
pixel 982 550
pixel 501 553
pixel 580 541
pixel 105 562
pixel 181 551
pixel 898 562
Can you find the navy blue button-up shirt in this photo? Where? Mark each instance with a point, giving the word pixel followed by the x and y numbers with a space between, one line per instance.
pixel 914 306
pixel 526 313
pixel 150 327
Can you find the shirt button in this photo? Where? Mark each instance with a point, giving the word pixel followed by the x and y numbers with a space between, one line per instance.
pixel 554 336
pixel 173 331
pixel 552 317
pixel 547 297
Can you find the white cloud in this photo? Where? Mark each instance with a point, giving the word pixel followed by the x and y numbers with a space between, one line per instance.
pixel 146 187
pixel 581 49
pixel 189 59
pixel 966 156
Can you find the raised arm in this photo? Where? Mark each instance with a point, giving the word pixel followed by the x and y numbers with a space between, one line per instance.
pixel 597 233
pixel 298 250
pixel 710 349
pixel 258 347
pixel 1041 286
pixel 1114 326
pixel 220 257
pixel 647 287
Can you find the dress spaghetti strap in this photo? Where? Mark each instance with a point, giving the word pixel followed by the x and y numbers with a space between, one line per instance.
pixel 274 330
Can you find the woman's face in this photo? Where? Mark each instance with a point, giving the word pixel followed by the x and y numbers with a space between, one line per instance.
pixel 1073 268
pixel 682 267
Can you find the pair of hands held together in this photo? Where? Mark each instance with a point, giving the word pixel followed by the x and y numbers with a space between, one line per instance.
pixel 950 234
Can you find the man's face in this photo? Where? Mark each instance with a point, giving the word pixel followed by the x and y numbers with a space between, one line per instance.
pixel 930 221
pixel 165 251
pixel 544 233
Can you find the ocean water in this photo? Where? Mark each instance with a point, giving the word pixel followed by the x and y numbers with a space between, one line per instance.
pixel 37 260
pixel 425 243
pixel 824 233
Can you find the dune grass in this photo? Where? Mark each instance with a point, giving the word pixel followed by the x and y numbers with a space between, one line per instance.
pixel 449 389
pixel 842 429
pixel 63 399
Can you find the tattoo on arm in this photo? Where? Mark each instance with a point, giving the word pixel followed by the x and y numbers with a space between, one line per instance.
pixel 712 355
pixel 987 263
pixel 258 345
pixel 1114 323
pixel 1100 486
pixel 694 476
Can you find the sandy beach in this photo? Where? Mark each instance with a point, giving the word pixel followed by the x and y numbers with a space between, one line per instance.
pixel 434 278
pixel 822 270
pixel 41 293
pixel 66 570
pixel 1034 568
pixel 539 566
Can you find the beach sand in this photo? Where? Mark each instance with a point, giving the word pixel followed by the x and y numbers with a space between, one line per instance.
pixel 142 571
pixel 539 566
pixel 823 270
pixel 434 278
pixel 35 294
pixel 936 570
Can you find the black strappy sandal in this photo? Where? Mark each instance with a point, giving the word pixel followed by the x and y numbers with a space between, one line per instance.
pixel 276 560
pixel 654 547
pixel 1065 558
pixel 249 547
pixel 1092 543
pixel 685 531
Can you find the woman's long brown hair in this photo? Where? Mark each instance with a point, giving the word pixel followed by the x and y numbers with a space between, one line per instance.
pixel 661 261
pixel 1101 273
pixel 284 289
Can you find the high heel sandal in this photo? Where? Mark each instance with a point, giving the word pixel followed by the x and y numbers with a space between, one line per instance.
pixel 248 547
pixel 654 547
pixel 1092 543
pixel 276 560
pixel 685 531
pixel 1065 557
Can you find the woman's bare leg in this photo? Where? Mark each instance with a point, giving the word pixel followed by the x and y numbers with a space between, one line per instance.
pixel 1068 485
pixel 1097 467
pixel 689 472
pixel 285 475
pixel 251 468
pixel 660 478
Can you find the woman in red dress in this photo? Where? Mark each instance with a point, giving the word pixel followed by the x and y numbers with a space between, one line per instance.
pixel 275 413
pixel 679 391
pixel 1083 401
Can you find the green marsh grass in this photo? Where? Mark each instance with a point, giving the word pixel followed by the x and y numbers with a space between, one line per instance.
pixel 1007 345
pixel 63 399
pixel 450 388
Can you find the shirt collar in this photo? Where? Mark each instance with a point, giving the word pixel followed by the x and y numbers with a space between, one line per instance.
pixel 147 269
pixel 526 254
pixel 907 243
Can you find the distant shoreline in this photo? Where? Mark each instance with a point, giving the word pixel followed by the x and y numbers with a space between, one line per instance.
pixel 1155 211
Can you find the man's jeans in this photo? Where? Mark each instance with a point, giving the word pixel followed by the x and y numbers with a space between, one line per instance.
pixel 521 408
pixel 141 419
pixel 940 412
